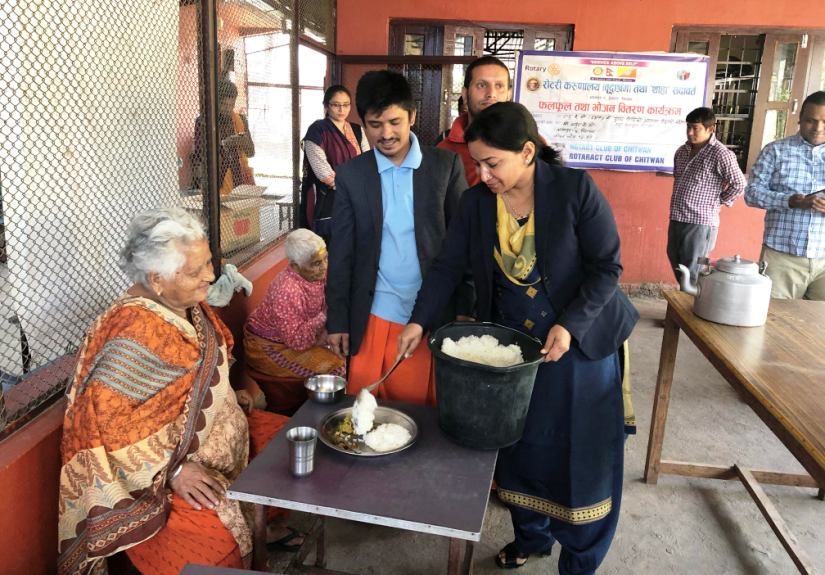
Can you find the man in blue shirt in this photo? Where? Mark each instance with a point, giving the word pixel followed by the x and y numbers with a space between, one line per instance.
pixel 788 181
pixel 390 217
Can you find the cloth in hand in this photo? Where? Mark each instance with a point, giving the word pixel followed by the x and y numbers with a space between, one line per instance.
pixel 231 281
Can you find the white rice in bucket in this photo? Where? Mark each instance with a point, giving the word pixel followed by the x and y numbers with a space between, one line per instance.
pixel 485 350
pixel 386 437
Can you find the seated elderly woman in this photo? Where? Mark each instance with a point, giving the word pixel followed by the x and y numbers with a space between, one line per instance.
pixel 153 433
pixel 285 337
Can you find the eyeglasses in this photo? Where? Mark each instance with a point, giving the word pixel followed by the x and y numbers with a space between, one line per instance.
pixel 339 105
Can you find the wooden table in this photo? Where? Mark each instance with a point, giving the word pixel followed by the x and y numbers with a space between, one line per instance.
pixel 435 486
pixel 779 370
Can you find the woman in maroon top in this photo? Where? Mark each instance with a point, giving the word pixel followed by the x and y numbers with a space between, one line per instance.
pixel 327 144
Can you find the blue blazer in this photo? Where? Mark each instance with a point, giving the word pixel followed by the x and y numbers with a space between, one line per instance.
pixel 577 251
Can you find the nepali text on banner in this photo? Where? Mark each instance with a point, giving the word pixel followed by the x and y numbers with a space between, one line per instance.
pixel 609 110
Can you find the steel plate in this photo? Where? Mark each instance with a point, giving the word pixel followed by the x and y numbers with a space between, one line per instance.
pixel 354 444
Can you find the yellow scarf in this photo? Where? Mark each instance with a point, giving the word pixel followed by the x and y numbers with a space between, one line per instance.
pixel 517 254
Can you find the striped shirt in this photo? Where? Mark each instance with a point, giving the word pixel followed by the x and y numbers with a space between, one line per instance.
pixel 784 168
pixel 703 183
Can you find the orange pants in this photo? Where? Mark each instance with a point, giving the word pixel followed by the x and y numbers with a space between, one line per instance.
pixel 192 536
pixel 413 381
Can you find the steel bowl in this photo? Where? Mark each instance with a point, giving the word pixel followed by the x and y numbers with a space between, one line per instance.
pixel 325 388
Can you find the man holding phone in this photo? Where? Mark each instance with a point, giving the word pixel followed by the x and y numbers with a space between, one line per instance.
pixel 788 182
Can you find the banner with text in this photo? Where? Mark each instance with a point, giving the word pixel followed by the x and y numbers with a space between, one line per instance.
pixel 609 110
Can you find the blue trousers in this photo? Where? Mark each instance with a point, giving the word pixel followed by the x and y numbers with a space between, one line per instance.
pixel 563 480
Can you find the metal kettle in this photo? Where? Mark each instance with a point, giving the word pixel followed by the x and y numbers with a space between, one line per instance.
pixel 734 292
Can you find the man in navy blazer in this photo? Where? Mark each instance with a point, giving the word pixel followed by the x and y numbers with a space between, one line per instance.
pixel 390 218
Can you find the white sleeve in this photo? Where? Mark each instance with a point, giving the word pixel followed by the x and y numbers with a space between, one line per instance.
pixel 317 159
pixel 365 145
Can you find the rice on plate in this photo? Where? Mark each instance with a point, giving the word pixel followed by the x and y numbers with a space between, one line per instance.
pixel 484 349
pixel 386 437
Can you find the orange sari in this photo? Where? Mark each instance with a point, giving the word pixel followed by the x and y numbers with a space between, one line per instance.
pixel 199 536
pixel 149 392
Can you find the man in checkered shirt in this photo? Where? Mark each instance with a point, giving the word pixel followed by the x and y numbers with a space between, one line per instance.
pixel 788 182
pixel 705 176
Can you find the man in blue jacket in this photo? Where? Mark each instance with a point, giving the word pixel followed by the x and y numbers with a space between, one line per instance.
pixel 390 218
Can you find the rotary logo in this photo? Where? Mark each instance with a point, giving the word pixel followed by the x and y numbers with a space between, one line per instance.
pixel 598 71
pixel 554 69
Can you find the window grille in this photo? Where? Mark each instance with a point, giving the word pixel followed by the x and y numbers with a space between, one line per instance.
pixel 736 80
pixel 504 45
pixel 757 78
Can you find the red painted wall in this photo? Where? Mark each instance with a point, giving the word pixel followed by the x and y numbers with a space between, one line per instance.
pixel 261 271
pixel 640 201
pixel 29 474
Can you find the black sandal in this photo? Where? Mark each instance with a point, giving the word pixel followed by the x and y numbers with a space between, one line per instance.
pixel 283 544
pixel 512 556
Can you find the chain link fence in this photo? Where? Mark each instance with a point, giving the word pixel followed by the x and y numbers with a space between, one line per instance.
pixel 101 117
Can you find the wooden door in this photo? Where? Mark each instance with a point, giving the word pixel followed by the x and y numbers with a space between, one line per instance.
pixel 785 62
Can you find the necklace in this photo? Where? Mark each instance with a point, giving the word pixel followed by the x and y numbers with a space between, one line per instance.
pixel 511 210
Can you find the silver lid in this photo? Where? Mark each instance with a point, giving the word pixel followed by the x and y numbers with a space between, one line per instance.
pixel 737 265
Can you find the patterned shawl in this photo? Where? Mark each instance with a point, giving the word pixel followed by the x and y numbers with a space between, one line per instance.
pixel 148 391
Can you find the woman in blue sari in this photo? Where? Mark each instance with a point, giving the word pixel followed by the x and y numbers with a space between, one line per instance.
pixel 544 251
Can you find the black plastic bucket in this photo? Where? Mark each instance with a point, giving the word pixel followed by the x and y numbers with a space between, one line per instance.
pixel 482 406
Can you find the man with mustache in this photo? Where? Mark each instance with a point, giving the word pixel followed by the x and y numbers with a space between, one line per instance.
pixel 390 217
pixel 788 182
pixel 486 81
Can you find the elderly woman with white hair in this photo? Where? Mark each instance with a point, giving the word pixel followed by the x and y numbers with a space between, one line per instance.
pixel 285 337
pixel 153 433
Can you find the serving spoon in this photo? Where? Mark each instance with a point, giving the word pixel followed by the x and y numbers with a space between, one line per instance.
pixel 372 386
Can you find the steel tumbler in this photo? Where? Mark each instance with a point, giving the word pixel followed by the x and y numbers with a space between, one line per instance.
pixel 301 441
